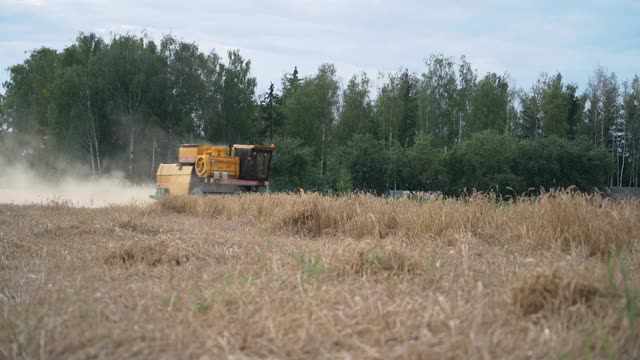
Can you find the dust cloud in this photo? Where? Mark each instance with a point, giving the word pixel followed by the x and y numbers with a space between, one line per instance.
pixel 22 185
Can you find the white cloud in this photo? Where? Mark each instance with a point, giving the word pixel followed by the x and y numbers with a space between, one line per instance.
pixel 21 3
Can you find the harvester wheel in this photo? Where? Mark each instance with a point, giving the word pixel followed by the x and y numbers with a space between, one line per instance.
pixel 197 191
pixel 203 164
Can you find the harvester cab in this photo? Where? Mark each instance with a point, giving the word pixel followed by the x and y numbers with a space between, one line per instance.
pixel 211 169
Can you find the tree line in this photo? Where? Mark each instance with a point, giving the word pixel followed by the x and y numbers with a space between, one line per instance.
pixel 127 103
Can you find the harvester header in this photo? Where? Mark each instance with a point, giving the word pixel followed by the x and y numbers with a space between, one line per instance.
pixel 214 169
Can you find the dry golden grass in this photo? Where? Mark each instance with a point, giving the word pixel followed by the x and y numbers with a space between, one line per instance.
pixel 277 276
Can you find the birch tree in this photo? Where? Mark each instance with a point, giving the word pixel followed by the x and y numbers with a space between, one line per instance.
pixel 631 109
pixel 356 114
pixel 603 115
pixel 238 103
pixel 438 102
pixel 467 79
pixel 311 110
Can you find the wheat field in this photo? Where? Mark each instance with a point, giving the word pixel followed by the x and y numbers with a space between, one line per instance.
pixel 356 277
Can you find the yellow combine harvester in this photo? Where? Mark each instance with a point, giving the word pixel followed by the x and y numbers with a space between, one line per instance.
pixel 209 169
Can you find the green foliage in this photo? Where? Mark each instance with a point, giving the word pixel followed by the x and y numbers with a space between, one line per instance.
pixel 606 343
pixel 409 98
pixel 23 333
pixel 489 105
pixel 4 121
pixel 270 119
pixel 29 92
pixel 603 110
pixel 555 108
pixel 426 164
pixel 418 167
pixel 439 96
pixel 191 91
pixel 343 183
pixel 530 121
pixel 398 169
pixel 202 307
pixel 396 109
pixel 630 290
pixel 310 267
pixel 587 345
pixel 529 116
pixel 356 116
pixel 505 165
pixel 364 158
pixel 483 163
pixel 557 163
pixel 309 107
pixel 291 167
pixel 576 109
pixel 127 103
pixel 238 107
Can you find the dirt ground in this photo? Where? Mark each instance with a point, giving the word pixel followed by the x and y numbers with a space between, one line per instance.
pixel 279 276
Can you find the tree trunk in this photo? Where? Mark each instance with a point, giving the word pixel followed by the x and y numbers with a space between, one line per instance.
pixel 93 136
pixel 637 169
pixel 96 145
pixel 153 156
pixel 614 158
pixel 131 153
pixel 624 152
pixel 459 129
pixel 634 169
pixel 322 153
pixel 93 164
pixel 602 132
pixel 621 175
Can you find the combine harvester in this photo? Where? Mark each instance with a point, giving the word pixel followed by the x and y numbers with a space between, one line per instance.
pixel 209 169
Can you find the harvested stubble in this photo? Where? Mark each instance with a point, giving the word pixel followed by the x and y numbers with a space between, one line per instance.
pixel 277 276
pixel 565 220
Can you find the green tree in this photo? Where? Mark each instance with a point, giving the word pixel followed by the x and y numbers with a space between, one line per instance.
pixel 531 115
pixel 388 109
pixel 238 106
pixel 631 111
pixel 467 80
pixel 133 70
pixel 438 100
pixel 483 162
pixel 490 105
pixel 81 112
pixel 398 171
pixel 270 114
pixel 292 165
pixel 192 103
pixel 409 97
pixel 603 108
pixel 576 109
pixel 396 109
pixel 604 118
pixel 4 120
pixel 291 82
pixel 343 182
pixel 364 159
pixel 356 115
pixel 425 164
pixel 552 162
pixel 555 108
pixel 310 110
pixel 29 92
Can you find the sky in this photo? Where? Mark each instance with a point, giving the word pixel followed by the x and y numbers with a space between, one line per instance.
pixel 522 38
